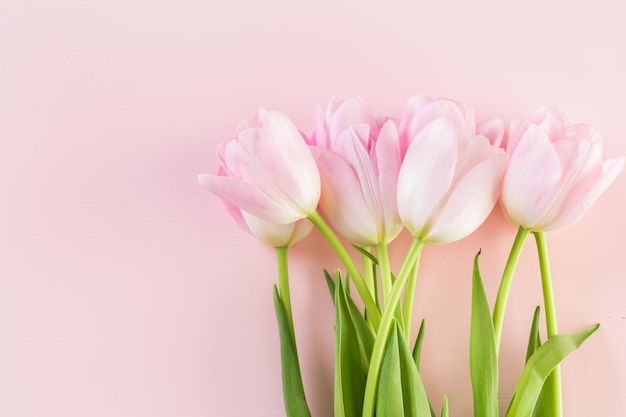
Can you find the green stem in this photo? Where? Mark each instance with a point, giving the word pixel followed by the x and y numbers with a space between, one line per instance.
pixel 283 285
pixel 505 283
pixel 409 298
pixel 370 281
pixel 385 271
pixel 554 379
pixel 370 305
pixel 368 274
pixel 412 257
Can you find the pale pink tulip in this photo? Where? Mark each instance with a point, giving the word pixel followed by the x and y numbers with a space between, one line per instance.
pixel 556 171
pixel 422 110
pixel 359 183
pixel 449 180
pixel 359 163
pixel 267 171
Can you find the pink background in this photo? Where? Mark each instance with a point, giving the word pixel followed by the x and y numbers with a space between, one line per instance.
pixel 126 290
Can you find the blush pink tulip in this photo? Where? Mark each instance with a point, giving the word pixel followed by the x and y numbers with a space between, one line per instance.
pixel 422 110
pixel 359 165
pixel 449 180
pixel 556 171
pixel 267 171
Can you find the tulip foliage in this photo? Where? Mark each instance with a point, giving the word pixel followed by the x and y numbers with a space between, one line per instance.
pixel 437 174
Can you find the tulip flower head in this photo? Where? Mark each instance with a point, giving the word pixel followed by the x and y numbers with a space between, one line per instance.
pixel 359 167
pixel 449 181
pixel 267 171
pixel 556 171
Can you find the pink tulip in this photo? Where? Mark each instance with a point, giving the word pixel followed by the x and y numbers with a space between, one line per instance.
pixel 422 110
pixel 359 168
pixel 556 171
pixel 449 180
pixel 267 171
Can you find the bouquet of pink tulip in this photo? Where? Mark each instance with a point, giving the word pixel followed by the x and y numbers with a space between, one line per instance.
pixel 439 175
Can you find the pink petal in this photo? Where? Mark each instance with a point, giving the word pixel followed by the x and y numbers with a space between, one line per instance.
pixel 581 170
pixel 288 162
pixel 355 153
pixel 248 198
pixel 477 150
pixel 610 170
pixel 426 173
pixel 277 235
pixel 352 111
pixel 342 202
pixel 492 129
pixel 532 178
pixel 389 160
pixel 471 201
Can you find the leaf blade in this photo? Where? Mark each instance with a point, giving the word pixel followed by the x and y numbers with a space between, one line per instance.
pixel 540 365
pixel 293 389
pixel 483 353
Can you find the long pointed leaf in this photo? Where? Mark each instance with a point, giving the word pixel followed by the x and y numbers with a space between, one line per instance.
pixel 417 348
pixel 444 407
pixel 416 402
pixel 401 390
pixel 534 340
pixel 483 356
pixel 350 377
pixel 543 407
pixel 540 365
pixel 331 285
pixel 389 398
pixel 364 335
pixel 293 390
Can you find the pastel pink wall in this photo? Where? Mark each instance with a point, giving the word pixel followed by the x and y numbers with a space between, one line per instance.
pixel 126 290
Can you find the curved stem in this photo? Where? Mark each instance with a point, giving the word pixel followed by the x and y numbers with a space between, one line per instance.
pixel 370 305
pixel 283 285
pixel 412 257
pixel 505 283
pixel 554 379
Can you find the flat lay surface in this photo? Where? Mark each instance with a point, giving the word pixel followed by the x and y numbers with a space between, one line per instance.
pixel 127 290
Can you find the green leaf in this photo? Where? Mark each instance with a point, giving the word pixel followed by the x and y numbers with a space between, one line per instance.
pixel 364 334
pixel 331 285
pixel 417 353
pixel 389 398
pixel 293 390
pixel 417 348
pixel 540 365
pixel 483 356
pixel 400 389
pixel 543 407
pixel 444 407
pixel 366 253
pixel 534 341
pixel 350 371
